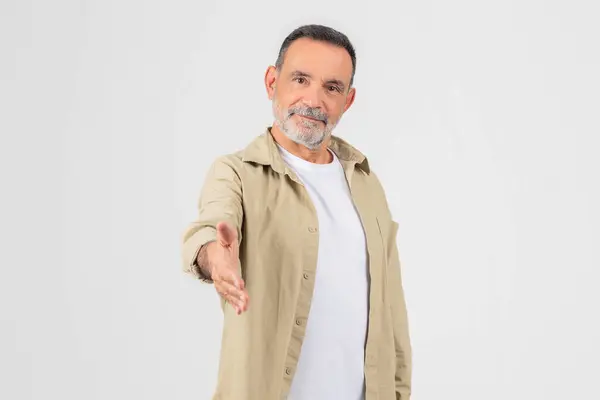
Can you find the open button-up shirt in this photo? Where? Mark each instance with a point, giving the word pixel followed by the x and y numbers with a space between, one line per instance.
pixel 255 191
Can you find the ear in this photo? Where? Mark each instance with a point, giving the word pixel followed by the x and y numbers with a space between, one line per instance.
pixel 349 98
pixel 270 81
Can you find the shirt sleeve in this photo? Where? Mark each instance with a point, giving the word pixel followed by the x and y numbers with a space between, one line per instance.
pixel 220 201
pixel 396 299
pixel 402 342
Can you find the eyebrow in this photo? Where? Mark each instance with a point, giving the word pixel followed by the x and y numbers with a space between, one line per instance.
pixel 336 82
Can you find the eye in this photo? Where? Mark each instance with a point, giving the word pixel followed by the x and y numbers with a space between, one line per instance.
pixel 333 88
pixel 301 80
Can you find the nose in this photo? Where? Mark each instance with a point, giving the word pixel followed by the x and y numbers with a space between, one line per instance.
pixel 312 97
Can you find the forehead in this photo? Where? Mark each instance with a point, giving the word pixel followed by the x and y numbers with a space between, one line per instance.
pixel 320 59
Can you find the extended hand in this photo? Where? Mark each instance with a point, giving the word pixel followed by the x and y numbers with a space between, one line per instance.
pixel 224 259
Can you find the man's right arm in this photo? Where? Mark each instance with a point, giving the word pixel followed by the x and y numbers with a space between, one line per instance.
pixel 220 201
pixel 201 265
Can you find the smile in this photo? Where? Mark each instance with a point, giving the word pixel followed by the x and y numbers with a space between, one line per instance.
pixel 309 118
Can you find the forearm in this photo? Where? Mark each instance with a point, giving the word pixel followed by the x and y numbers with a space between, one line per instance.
pixel 203 260
pixel 202 263
pixel 220 200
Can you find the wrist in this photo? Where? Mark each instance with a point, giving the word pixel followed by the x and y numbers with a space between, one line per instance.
pixel 203 259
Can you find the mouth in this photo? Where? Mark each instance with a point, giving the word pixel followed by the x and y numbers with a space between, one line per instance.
pixel 309 118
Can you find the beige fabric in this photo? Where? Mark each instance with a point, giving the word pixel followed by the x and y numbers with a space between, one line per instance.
pixel 255 191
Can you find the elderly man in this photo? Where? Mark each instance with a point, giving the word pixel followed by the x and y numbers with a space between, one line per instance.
pixel 296 235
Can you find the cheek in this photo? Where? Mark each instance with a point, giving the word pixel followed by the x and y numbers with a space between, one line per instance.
pixel 285 94
pixel 335 109
pixel 284 101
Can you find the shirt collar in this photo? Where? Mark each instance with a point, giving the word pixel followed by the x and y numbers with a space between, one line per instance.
pixel 263 150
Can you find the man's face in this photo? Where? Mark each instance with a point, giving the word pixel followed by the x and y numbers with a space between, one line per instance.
pixel 311 91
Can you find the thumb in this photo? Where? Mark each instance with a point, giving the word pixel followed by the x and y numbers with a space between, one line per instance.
pixel 226 234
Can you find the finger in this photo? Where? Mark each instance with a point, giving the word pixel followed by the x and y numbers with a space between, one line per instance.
pixel 239 283
pixel 227 289
pixel 226 234
pixel 239 299
pixel 238 304
pixel 246 303
pixel 234 279
pixel 233 302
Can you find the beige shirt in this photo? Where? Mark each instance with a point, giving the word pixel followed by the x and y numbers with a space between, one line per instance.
pixel 258 193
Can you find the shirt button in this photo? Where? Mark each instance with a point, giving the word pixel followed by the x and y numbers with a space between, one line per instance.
pixel 298 322
pixel 305 275
pixel 312 229
pixel 288 371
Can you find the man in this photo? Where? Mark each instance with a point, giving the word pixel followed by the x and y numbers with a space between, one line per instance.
pixel 297 237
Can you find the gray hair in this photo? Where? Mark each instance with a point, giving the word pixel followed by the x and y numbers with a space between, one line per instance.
pixel 319 33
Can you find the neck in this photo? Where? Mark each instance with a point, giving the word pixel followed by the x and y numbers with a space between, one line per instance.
pixel 317 156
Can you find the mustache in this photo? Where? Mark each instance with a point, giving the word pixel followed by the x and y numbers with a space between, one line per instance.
pixel 310 112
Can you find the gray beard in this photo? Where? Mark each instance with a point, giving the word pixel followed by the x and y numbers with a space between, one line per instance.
pixel 312 139
pixel 306 133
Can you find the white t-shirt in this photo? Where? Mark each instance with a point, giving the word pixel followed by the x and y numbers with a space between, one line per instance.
pixel 331 363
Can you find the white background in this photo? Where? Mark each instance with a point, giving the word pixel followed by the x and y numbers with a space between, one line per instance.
pixel 481 118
